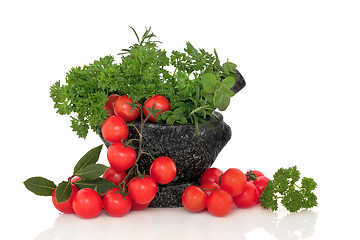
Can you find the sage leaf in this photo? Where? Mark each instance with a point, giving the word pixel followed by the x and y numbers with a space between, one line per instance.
pixel 40 186
pixel 92 171
pixel 91 157
pixel 63 191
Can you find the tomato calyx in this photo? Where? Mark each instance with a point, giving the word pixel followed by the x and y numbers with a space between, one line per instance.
pixel 153 111
pixel 250 176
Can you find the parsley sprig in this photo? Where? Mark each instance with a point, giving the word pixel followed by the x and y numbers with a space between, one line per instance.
pixel 285 187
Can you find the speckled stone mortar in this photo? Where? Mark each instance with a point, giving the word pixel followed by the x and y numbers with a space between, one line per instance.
pixel 192 156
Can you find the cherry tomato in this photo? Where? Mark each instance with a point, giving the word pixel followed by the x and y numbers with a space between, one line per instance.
pixel 142 190
pixel 65 207
pixel 159 102
pixel 211 175
pixel 138 207
pixel 163 170
pixel 194 199
pixel 114 176
pixel 109 105
pixel 209 187
pixel 248 198
pixel 219 203
pixel 114 129
pixel 87 203
pixel 115 204
pixel 120 157
pixel 122 109
pixel 233 181
pixel 261 183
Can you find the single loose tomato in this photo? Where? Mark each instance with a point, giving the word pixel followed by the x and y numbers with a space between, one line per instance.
pixel 138 207
pixel 163 170
pixel 114 176
pixel 248 198
pixel 65 207
pixel 115 204
pixel 123 109
pixel 159 103
pixel 211 175
pixel 261 183
pixel 220 203
pixel 194 199
pixel 142 190
pixel 121 158
pixel 233 181
pixel 87 203
pixel 209 187
pixel 114 129
pixel 109 105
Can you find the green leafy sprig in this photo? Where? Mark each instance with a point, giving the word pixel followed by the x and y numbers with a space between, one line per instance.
pixel 87 168
pixel 284 187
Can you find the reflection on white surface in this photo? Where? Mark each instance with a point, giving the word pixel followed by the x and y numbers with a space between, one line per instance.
pixel 181 224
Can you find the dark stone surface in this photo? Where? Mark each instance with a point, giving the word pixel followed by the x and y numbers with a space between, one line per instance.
pixel 239 82
pixel 191 155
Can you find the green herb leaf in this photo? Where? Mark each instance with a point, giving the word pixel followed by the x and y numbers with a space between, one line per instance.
pixel 63 191
pixel 227 83
pixel 92 171
pixel 221 100
pixel 91 157
pixel 40 186
pixel 208 81
pixel 100 185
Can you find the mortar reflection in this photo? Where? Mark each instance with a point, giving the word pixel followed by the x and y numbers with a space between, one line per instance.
pixel 177 223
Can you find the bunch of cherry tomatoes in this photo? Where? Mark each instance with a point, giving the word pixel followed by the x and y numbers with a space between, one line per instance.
pixel 137 193
pixel 219 191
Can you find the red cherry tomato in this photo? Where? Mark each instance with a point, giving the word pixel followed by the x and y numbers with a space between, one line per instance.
pixel 233 181
pixel 109 105
pixel 248 198
pixel 142 190
pixel 138 207
pixel 87 203
pixel 120 157
pixel 114 176
pixel 209 187
pixel 122 109
pixel 261 183
pixel 163 170
pixel 114 129
pixel 115 204
pixel 219 203
pixel 194 199
pixel 211 175
pixel 160 103
pixel 65 207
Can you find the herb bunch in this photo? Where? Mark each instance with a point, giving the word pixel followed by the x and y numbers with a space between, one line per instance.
pixel 198 85
pixel 284 187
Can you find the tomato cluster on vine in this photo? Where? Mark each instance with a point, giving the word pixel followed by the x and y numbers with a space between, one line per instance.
pixel 134 190
pixel 219 191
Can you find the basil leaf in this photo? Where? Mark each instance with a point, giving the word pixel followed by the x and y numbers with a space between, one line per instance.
pixel 91 157
pixel 92 171
pixel 63 191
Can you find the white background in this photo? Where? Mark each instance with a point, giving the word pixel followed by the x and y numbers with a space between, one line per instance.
pixel 300 60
